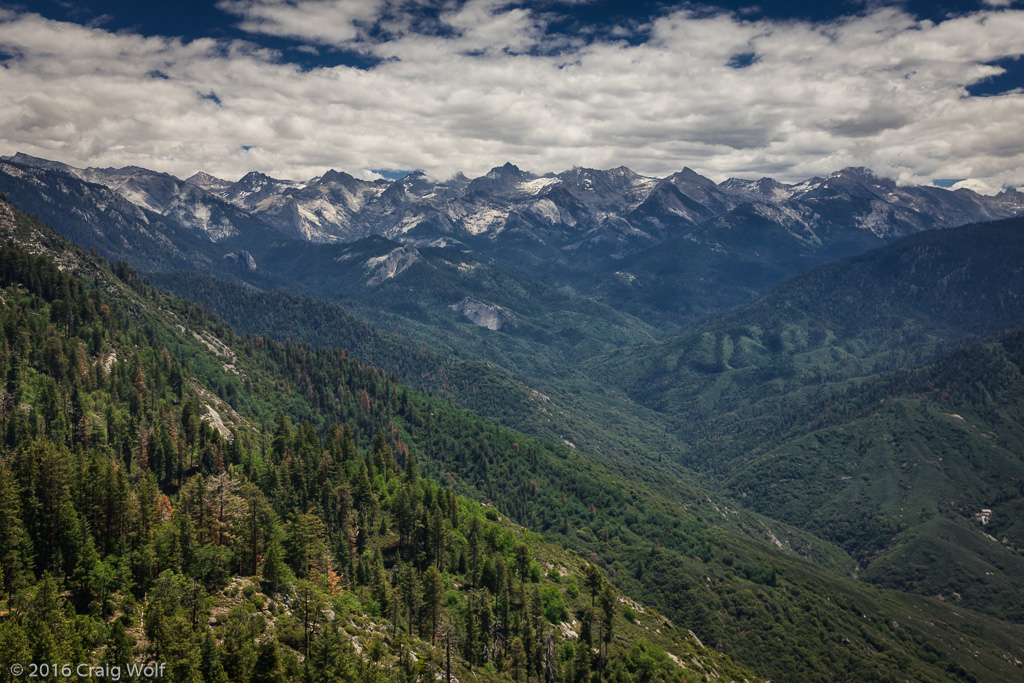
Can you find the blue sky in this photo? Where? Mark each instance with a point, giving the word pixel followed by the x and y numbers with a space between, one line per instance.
pixel 914 90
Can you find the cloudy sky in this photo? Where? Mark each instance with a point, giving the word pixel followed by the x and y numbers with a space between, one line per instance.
pixel 915 90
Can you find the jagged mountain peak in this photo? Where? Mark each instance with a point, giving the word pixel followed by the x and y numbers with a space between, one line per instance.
pixel 255 182
pixel 410 188
pixel 858 172
pixel 851 182
pixel 207 182
pixel 583 177
pixel 253 177
pixel 586 213
pixel 135 171
pixel 689 176
pixel 709 198
pixel 499 181
pixel 459 181
pixel 333 177
pixel 417 180
pixel 763 189
pixel 508 171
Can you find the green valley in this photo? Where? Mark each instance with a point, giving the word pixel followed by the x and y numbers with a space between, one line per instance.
pixel 279 401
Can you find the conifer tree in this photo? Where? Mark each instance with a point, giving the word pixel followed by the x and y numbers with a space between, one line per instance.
pixel 274 570
pixel 517 654
pixel 409 589
pixel 593 580
pixel 332 657
pixel 13 540
pixel 433 594
pixel 210 667
pixel 268 667
pixel 119 651
pixel 309 605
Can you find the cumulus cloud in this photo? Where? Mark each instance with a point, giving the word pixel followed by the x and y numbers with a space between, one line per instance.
pixel 978 186
pixel 484 82
pixel 329 22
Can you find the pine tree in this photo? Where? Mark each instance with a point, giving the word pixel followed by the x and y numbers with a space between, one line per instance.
pixel 469 639
pixel 308 545
pixel 433 594
pixel 49 631
pixel 408 588
pixel 608 601
pixel 13 540
pixel 517 654
pixel 268 667
pixel 120 646
pixel 308 606
pixel 332 658
pixel 274 570
pixel 379 585
pixel 210 666
pixel 593 580
pixel 522 559
pixel 14 644
pixel 238 651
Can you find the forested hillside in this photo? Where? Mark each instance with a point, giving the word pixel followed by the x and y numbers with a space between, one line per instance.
pixel 107 386
pixel 743 380
pixel 899 469
pixel 138 522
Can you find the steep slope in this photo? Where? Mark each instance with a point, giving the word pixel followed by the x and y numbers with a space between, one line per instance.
pixel 767 610
pixel 443 296
pixel 187 536
pixel 764 232
pixel 788 401
pixel 422 293
pixel 899 470
pixel 892 307
pixel 96 217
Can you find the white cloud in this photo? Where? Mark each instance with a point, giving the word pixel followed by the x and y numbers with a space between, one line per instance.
pixel 329 22
pixel 486 83
pixel 978 186
pixel 486 25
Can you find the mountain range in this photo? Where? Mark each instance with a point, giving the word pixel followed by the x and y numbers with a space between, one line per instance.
pixel 786 416
pixel 612 235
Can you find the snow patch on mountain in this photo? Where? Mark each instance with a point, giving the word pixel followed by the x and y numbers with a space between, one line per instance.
pixel 437 243
pixel 643 185
pixel 199 215
pixel 537 185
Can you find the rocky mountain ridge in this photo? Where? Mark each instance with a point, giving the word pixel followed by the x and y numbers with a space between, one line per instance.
pixel 667 250
pixel 575 208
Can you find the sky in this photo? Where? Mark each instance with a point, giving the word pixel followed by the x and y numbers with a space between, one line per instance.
pixel 917 91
